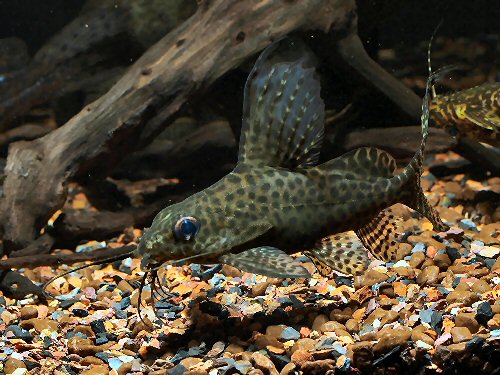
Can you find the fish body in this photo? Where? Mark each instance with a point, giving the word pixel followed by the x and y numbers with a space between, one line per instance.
pixel 472 113
pixel 278 201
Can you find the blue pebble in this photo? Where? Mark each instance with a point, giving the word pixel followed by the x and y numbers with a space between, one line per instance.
pixel 418 248
pixel 290 333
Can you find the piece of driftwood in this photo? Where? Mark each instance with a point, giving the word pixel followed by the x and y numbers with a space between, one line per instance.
pixel 25 132
pixel 401 142
pixel 33 261
pixel 18 286
pixel 219 36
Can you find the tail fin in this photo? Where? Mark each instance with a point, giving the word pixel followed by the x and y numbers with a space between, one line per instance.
pixel 413 196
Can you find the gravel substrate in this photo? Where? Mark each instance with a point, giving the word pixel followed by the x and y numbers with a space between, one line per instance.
pixel 437 310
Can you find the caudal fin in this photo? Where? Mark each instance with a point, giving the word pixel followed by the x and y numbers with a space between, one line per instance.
pixel 412 194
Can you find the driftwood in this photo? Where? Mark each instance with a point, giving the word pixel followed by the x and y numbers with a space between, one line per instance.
pixel 220 35
pixel 33 261
pixel 400 142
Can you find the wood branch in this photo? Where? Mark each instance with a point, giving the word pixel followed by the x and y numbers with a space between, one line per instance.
pixel 25 132
pixel 400 142
pixel 42 245
pixel 33 261
pixel 216 39
pixel 17 286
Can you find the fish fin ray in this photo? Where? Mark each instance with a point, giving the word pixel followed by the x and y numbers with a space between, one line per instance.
pixel 364 162
pixel 283 115
pixel 267 261
pixel 341 252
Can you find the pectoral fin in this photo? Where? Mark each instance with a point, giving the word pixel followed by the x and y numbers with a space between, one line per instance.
pixel 267 261
pixel 341 252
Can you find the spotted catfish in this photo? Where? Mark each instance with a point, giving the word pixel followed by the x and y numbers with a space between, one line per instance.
pixel 472 113
pixel 278 201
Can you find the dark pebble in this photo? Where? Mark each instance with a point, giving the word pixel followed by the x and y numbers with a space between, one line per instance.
pixel 177 370
pixel 453 253
pixel 391 279
pixel 388 357
pixel 121 314
pixel 326 343
pixel 69 370
pixel 342 280
pixel 211 293
pixel 279 361
pixel 195 270
pixel 443 290
pixel 98 326
pixel 103 356
pixel 67 303
pixel 102 339
pixel 285 301
pixel 168 307
pixel 484 312
pixel 46 354
pixel 208 274
pixel 124 303
pixel 475 344
pixel 81 313
pixel 407 281
pixel 20 333
pixel 47 342
pixel 214 309
pixel 30 365
pixel 433 318
pixel 456 281
pixel 110 287
pixel 290 333
pixel 297 303
pixel 489 263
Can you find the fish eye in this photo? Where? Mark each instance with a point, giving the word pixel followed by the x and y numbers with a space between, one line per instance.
pixel 186 228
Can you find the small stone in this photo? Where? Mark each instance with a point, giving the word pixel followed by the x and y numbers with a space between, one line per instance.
pixel 319 321
pixel 91 360
pixel 40 324
pixel 331 326
pixel 428 276
pixel 98 326
pixel 12 364
pixel 259 289
pixel 234 349
pixel 373 277
pixel 231 271
pixel 97 370
pixel 484 312
pixel 262 341
pixel 389 338
pixel 290 333
pixel 189 362
pixel 467 320
pixel 263 363
pixel 443 261
pixel 496 266
pixel 289 369
pixel 125 287
pixel 489 251
pixel 480 286
pixel 304 344
pixel 29 312
pixel 417 259
pixel 431 317
pixel 275 330
pixel 299 357
pixel 417 334
pixel 322 366
pixel 462 296
pixel 460 334
pixel 352 325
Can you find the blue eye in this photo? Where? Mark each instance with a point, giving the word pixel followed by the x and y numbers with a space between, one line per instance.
pixel 186 228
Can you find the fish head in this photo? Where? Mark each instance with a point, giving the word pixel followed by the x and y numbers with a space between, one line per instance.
pixel 182 231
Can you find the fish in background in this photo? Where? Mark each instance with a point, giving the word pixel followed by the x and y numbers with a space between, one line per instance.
pixel 472 113
pixel 91 51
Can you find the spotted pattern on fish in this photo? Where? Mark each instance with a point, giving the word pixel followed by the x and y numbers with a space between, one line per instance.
pixel 277 200
pixel 472 113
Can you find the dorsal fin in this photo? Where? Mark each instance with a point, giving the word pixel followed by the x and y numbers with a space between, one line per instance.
pixel 283 115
